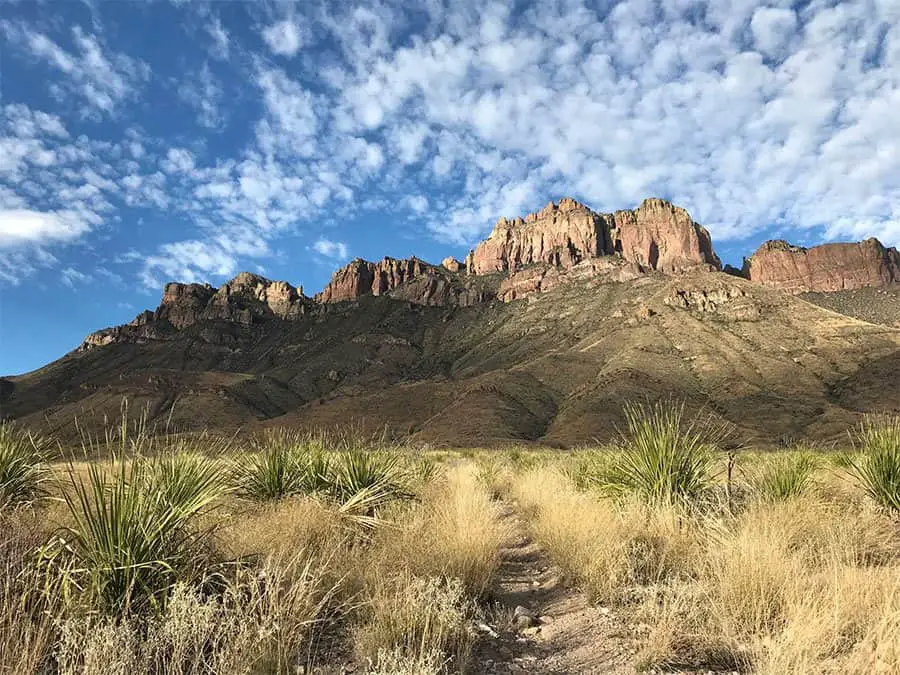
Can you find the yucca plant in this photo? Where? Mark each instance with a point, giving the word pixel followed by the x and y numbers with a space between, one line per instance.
pixel 129 541
pixel 23 466
pixel 180 480
pixel 875 465
pixel 272 473
pixel 783 477
pixel 664 459
pixel 376 472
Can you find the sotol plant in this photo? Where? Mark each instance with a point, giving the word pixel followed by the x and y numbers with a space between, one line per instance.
pixel 132 537
pixel 784 477
pixel 23 466
pixel 876 464
pixel 664 459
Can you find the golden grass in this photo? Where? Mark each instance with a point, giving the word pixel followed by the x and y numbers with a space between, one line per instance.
pixel 808 584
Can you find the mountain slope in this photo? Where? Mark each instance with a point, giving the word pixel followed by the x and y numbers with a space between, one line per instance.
pixel 555 368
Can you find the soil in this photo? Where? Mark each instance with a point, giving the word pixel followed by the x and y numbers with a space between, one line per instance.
pixel 571 634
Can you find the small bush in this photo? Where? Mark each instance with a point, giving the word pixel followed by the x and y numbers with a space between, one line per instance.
pixel 876 464
pixel 23 466
pixel 130 541
pixel 664 459
pixel 414 619
pixel 783 477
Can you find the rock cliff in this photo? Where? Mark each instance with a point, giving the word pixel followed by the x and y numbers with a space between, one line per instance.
pixel 362 277
pixel 825 268
pixel 654 236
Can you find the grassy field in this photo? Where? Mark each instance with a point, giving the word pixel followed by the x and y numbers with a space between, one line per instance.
pixel 308 553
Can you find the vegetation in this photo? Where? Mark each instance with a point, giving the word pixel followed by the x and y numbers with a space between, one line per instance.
pixel 876 465
pixel 784 477
pixel 23 466
pixel 188 555
pixel 665 459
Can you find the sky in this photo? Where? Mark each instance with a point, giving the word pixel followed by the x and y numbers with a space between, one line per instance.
pixel 143 142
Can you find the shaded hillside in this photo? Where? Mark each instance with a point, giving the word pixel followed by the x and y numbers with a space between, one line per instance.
pixel 554 368
pixel 875 305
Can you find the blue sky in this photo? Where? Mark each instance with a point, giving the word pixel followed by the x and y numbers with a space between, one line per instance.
pixel 147 142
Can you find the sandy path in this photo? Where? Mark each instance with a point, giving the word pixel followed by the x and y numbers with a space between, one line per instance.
pixel 573 636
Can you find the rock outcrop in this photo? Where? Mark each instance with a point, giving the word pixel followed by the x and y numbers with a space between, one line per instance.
pixel 660 236
pixel 563 243
pixel 362 277
pixel 825 268
pixel 543 278
pixel 655 236
pixel 246 299
pixel 560 235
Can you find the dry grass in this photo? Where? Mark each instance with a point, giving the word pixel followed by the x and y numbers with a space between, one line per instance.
pixel 807 582
pixel 611 549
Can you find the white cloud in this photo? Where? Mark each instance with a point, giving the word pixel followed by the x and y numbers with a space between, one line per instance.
pixel 773 28
pixel 72 277
pixel 102 78
pixel 19 227
pixel 178 160
pixel 221 42
pixel 204 94
pixel 331 249
pixel 284 38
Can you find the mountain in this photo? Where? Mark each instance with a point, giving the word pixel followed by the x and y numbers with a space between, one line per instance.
pixel 542 334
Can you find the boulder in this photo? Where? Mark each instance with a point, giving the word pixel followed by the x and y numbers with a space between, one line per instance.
pixel 825 268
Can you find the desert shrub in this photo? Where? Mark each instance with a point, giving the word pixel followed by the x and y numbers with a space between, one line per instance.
pixel 357 471
pixel 179 480
pixel 415 621
pixel 282 464
pixel 23 466
pixel 781 477
pixel 664 459
pixel 456 532
pixel 27 612
pixel 263 621
pixel 611 548
pixel 876 465
pixel 129 542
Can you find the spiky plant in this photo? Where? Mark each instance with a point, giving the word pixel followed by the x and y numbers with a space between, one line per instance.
pixel 783 477
pixel 23 466
pixel 664 459
pixel 181 479
pixel 274 472
pixel 875 465
pixel 381 473
pixel 128 545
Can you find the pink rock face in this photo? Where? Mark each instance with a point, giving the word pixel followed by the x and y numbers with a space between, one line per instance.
pixel 560 235
pixel 182 304
pixel 655 236
pixel 660 236
pixel 829 267
pixel 361 277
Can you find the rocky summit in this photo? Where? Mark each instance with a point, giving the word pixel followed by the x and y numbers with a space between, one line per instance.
pixel 829 267
pixel 630 305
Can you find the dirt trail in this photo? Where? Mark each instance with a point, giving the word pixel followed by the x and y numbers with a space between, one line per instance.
pixel 571 636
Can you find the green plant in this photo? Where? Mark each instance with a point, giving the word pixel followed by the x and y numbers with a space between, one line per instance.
pixel 23 466
pixel 179 479
pixel 130 541
pixel 664 459
pixel 376 473
pixel 274 472
pixel 876 464
pixel 784 477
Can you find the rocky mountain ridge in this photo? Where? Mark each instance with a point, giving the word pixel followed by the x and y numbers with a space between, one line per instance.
pixel 562 243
